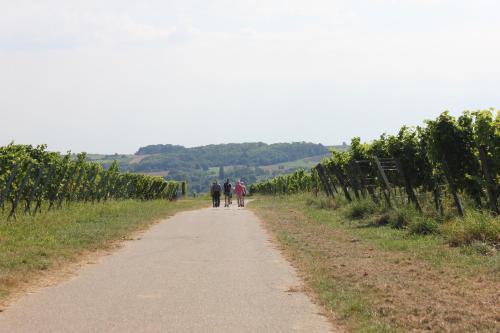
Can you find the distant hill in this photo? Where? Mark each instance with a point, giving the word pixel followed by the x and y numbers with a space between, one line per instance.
pixel 249 154
pixel 200 165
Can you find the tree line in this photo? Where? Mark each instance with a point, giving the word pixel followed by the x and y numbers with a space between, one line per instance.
pixel 170 157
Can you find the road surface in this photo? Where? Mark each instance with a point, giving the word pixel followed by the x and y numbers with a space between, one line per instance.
pixel 209 270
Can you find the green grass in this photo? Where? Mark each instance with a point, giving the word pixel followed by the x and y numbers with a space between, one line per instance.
pixel 406 234
pixel 350 306
pixel 406 230
pixel 31 244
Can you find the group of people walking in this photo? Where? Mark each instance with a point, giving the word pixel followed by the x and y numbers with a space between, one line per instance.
pixel 239 189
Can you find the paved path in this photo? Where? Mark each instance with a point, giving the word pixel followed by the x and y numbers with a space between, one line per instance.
pixel 210 270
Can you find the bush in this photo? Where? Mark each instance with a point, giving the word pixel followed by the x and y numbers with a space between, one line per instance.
pixel 402 217
pixel 474 226
pixel 423 226
pixel 380 220
pixel 361 209
pixel 405 217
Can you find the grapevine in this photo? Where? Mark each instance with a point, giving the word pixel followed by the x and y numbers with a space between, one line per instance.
pixel 31 176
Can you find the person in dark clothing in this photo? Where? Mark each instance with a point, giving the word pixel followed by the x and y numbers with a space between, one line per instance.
pixel 215 191
pixel 227 193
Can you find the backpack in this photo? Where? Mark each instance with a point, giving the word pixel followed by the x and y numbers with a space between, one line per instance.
pixel 227 187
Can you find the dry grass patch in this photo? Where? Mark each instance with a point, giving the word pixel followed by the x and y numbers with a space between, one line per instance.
pixel 374 290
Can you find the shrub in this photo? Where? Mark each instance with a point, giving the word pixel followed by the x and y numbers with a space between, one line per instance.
pixel 401 217
pixel 380 220
pixel 361 209
pixel 423 226
pixel 474 226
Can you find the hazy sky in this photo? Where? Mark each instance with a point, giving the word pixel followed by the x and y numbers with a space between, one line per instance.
pixel 112 75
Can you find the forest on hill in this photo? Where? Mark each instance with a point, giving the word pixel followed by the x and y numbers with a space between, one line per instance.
pixel 199 166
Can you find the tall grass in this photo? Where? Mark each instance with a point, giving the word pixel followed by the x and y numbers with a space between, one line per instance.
pixel 362 209
pixel 475 226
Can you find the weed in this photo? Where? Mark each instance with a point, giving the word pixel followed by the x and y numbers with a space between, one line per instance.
pixel 361 209
pixel 474 226
pixel 423 226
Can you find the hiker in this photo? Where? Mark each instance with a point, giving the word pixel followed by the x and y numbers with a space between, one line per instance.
pixel 243 194
pixel 227 193
pixel 215 192
pixel 240 193
pixel 231 195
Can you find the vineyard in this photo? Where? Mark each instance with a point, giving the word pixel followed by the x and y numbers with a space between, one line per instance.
pixel 442 169
pixel 33 179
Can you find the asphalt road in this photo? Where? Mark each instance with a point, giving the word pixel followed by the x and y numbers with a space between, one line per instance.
pixel 210 270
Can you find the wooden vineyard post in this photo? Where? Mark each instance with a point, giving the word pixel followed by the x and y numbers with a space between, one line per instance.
pixel 41 192
pixel 67 180
pixel 29 198
pixel 386 187
pixel 372 194
pixel 75 187
pixel 104 191
pixel 330 180
pixel 54 193
pixel 81 192
pixel 20 191
pixel 352 182
pixel 356 184
pixel 108 187
pixel 8 186
pixel 491 187
pixel 359 175
pixel 101 186
pixel 368 182
pixel 341 179
pixel 453 190
pixel 319 169
pixel 322 177
pixel 437 199
pixel 408 187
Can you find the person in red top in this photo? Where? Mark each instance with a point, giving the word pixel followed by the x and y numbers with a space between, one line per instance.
pixel 240 191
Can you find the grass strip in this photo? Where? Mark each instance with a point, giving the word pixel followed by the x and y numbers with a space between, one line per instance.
pixel 33 244
pixel 380 279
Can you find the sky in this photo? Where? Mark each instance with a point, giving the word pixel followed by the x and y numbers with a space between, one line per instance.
pixel 109 76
